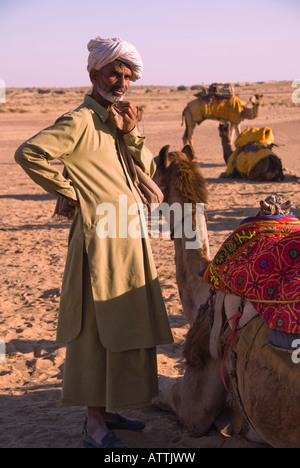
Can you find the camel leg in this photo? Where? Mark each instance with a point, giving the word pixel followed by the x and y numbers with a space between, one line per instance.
pixel 198 399
pixel 185 138
pixel 235 131
pixel 189 128
pixel 168 393
pixel 202 397
pixel 190 133
pixel 185 135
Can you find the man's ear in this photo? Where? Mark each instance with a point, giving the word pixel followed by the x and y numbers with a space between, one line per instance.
pixel 94 76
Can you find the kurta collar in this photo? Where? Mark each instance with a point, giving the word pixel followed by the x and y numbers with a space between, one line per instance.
pixel 93 104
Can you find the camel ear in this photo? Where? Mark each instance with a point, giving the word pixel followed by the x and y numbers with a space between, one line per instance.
pixel 164 156
pixel 189 152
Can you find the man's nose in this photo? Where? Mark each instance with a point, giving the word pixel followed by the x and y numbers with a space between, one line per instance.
pixel 122 82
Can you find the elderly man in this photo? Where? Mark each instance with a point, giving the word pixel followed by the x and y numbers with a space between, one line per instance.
pixel 112 314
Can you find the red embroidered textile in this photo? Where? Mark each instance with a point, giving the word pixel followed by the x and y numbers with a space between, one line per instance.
pixel 260 261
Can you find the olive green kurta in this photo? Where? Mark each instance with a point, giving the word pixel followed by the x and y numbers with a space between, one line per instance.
pixel 95 376
pixel 127 297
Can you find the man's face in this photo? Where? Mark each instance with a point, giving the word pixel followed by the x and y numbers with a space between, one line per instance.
pixel 113 80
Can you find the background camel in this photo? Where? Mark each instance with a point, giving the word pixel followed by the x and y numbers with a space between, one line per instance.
pixel 260 384
pixel 268 168
pixel 218 107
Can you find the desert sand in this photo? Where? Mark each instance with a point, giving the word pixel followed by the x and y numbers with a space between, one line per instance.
pixel 34 246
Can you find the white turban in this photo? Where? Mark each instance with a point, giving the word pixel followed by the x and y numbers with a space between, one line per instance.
pixel 105 51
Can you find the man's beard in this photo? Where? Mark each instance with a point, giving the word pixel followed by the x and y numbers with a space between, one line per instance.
pixel 108 95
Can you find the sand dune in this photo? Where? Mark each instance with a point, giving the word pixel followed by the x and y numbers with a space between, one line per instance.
pixel 34 246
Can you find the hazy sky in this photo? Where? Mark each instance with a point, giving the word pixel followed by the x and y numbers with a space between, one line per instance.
pixel 186 42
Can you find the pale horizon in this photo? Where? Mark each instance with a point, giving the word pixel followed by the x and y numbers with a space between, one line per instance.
pixel 135 85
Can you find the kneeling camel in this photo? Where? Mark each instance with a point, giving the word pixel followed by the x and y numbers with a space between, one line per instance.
pixel 259 382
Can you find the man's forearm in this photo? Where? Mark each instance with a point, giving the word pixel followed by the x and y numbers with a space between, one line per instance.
pixel 42 173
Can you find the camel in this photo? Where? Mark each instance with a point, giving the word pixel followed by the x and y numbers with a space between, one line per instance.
pixel 260 384
pixel 268 168
pixel 187 186
pixel 140 112
pixel 214 107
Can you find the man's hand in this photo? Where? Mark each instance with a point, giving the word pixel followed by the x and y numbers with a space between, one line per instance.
pixel 129 114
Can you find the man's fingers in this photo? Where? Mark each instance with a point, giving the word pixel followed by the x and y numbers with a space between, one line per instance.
pixel 126 108
pixel 128 113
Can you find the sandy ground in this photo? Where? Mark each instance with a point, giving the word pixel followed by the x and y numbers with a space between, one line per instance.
pixel 33 252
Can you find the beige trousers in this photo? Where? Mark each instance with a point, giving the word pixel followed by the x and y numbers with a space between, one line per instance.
pixel 95 376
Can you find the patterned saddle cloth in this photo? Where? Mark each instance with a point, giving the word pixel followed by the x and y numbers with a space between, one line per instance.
pixel 260 261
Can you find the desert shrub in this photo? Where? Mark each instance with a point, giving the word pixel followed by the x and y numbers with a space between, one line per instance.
pixel 44 91
pixel 18 110
pixel 181 88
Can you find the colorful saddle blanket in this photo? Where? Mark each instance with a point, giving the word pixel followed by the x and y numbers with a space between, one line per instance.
pixel 260 261
pixel 228 109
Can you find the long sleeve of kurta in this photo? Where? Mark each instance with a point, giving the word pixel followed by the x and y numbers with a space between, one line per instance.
pixel 136 146
pixel 58 142
pixel 55 142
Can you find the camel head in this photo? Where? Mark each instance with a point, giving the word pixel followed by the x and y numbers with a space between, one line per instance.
pixel 179 175
pixel 224 130
pixel 257 100
pixel 164 161
pixel 166 157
